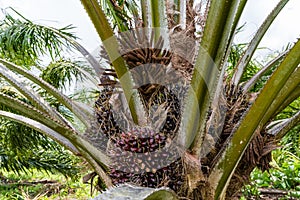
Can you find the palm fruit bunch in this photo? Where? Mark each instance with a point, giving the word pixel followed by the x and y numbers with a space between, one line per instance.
pixel 232 106
pixel 170 176
pixel 140 141
pixel 237 103
pixel 104 126
pixel 141 150
pixel 142 155
pixel 259 149
pixel 137 49
pixel 156 80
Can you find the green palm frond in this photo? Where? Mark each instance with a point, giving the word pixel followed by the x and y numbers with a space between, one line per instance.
pixel 81 112
pixel 235 53
pixel 61 72
pixel 120 13
pixel 23 148
pixel 256 117
pixel 247 55
pixel 112 48
pixel 24 42
pixel 46 159
pixel 258 79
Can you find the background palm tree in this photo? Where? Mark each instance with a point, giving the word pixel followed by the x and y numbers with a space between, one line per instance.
pixel 220 111
pixel 23 148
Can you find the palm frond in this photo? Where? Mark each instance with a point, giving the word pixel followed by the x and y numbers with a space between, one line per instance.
pixel 24 42
pixel 145 13
pixel 208 67
pixel 34 98
pixel 112 48
pixel 115 10
pixel 23 149
pixel 269 66
pixel 159 18
pixel 48 160
pixel 235 54
pixel 286 92
pixel 281 129
pixel 252 121
pixel 62 72
pixel 245 59
pixel 82 113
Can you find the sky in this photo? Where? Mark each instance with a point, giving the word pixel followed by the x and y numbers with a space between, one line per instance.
pixel 59 13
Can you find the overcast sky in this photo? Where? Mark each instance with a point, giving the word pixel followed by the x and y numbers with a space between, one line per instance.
pixel 58 13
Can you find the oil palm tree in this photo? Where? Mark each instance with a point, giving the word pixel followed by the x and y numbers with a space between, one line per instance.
pixel 170 114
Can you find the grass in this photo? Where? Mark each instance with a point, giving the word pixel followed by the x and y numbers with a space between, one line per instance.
pixel 40 185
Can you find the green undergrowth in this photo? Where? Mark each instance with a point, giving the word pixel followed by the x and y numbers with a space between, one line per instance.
pixel 284 176
pixel 41 185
